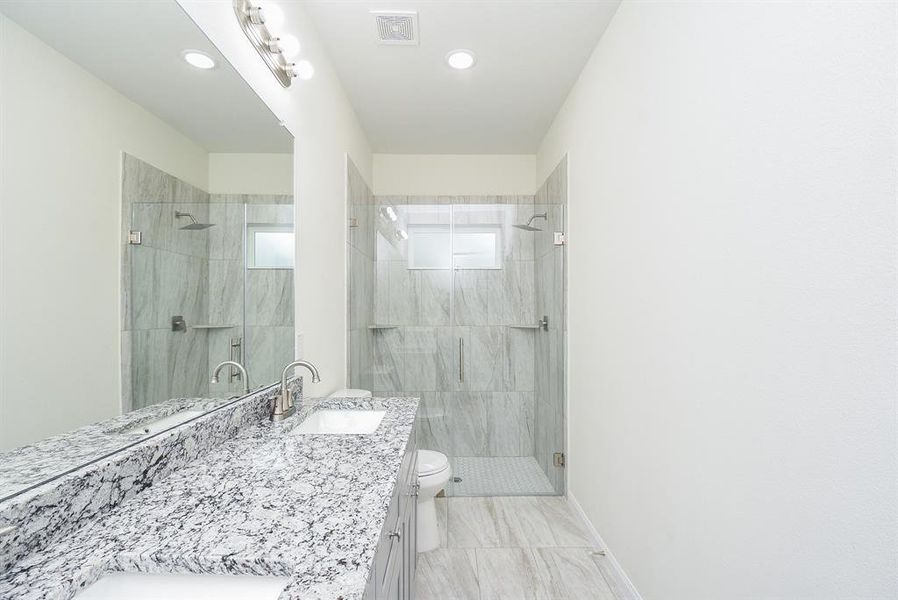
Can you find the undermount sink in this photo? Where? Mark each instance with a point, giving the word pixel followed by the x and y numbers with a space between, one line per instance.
pixel 341 422
pixel 161 424
pixel 152 586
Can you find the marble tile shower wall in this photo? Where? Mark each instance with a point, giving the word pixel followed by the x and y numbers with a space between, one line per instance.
pixel 264 325
pixel 490 410
pixel 550 288
pixel 361 252
pixel 165 276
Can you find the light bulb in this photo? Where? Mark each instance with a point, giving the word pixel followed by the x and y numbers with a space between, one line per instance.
pixel 289 45
pixel 303 69
pixel 274 18
pixel 389 213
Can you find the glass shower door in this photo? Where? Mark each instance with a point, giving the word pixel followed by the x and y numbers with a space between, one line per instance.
pixel 495 327
pixel 549 374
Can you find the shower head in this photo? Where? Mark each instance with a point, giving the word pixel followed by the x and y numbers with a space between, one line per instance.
pixel 528 226
pixel 193 225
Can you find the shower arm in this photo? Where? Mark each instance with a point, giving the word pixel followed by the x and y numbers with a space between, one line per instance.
pixel 181 215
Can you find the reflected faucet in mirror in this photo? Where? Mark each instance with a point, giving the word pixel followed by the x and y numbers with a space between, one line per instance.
pixel 236 365
pixel 283 404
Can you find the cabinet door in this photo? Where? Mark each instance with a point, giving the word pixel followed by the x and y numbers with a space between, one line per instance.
pixel 371 588
pixel 410 545
pixel 393 583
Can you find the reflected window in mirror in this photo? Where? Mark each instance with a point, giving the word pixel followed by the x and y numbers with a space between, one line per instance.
pixel 270 246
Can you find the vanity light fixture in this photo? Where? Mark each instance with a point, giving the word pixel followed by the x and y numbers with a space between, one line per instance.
pixel 262 25
pixel 461 59
pixel 198 59
pixel 401 234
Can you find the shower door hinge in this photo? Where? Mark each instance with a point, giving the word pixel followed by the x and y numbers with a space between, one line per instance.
pixel 558 459
pixel 559 238
pixel 135 238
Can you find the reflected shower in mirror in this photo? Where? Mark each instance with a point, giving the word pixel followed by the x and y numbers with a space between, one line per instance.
pixel 164 197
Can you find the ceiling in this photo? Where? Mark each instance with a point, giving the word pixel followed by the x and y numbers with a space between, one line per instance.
pixel 529 54
pixel 135 47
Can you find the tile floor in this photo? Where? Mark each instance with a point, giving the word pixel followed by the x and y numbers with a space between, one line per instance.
pixel 498 476
pixel 514 548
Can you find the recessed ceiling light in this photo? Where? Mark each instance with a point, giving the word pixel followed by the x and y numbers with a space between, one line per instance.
pixel 198 59
pixel 461 59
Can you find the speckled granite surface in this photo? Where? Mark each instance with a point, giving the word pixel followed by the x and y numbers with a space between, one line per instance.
pixel 30 465
pixel 55 509
pixel 265 502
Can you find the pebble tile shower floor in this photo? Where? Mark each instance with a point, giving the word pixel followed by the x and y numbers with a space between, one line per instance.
pixel 498 476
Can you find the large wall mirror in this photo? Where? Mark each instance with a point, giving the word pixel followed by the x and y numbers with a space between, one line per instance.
pixel 146 232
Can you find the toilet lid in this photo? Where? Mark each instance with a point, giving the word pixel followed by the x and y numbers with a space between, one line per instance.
pixel 431 461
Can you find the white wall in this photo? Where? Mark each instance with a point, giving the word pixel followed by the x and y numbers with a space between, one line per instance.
pixel 62 133
pixel 454 174
pixel 318 113
pixel 732 419
pixel 259 173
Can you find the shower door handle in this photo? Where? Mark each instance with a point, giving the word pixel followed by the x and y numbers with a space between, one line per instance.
pixel 236 355
pixel 461 360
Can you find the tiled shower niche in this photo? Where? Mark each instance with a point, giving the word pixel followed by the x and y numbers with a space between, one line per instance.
pixel 235 302
pixel 446 300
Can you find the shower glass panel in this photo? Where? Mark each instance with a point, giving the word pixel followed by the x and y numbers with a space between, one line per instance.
pixel 164 353
pixel 214 286
pixel 452 317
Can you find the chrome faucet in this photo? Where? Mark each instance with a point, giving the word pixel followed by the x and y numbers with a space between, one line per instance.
pixel 283 404
pixel 231 363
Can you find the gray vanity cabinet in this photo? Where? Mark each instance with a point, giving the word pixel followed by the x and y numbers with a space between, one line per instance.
pixel 393 575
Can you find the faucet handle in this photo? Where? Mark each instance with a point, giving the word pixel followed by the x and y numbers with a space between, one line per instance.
pixel 283 406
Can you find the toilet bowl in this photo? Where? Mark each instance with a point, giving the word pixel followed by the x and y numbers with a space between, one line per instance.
pixel 351 393
pixel 433 475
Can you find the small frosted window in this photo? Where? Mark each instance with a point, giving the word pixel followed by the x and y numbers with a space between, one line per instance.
pixel 477 247
pixel 429 247
pixel 460 247
pixel 271 246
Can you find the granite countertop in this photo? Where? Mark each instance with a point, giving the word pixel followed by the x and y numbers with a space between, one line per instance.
pixel 310 507
pixel 31 465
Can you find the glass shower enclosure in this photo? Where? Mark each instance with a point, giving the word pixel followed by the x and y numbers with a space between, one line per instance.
pixel 460 301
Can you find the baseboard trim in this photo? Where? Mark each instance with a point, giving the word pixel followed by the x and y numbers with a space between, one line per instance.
pixel 619 572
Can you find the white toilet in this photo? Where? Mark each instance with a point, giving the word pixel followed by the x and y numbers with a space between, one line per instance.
pixel 433 475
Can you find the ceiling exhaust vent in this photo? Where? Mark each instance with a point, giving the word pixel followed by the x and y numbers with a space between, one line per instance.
pixel 396 28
